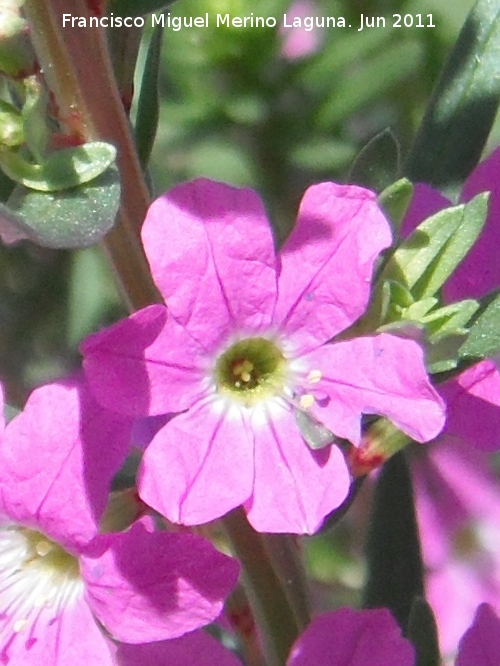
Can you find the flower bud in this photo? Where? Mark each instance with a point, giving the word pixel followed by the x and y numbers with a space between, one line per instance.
pixel 381 441
pixel 17 57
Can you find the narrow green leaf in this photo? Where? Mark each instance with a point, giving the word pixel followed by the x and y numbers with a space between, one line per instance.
pixel 74 218
pixel 148 105
pixel 34 115
pixel 429 256
pixel 61 170
pixel 484 335
pixel 464 104
pixel 395 568
pixel 422 632
pixel 137 7
pixel 449 319
pixel 377 165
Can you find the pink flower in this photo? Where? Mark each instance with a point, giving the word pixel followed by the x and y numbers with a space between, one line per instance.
pixel 480 645
pixel 347 637
pixel 243 349
pixel 57 574
pixel 299 42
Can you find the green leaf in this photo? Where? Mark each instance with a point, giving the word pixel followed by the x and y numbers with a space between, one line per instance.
pixel 394 201
pixel 450 319
pixel 429 256
pixel 422 632
pixel 137 7
pixel 484 335
pixel 148 105
pixel 61 170
pixel 377 165
pixel 74 218
pixel 34 115
pixel 394 561
pixel 463 106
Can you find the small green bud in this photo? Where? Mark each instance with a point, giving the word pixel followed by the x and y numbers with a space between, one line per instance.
pixel 11 125
pixel 17 57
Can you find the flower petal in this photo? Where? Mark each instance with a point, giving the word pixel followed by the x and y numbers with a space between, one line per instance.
pixel 195 648
pixel 144 365
pixel 327 263
pixel 57 635
pixel 480 645
pixel 295 488
pixel 473 400
pixel 148 586
pixel 426 201
pixel 383 375
pixel 348 637
pixel 57 460
pixel 479 272
pixel 211 253
pixel 200 465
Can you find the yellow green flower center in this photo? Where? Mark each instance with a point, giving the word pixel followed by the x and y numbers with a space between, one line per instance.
pixel 251 370
pixel 45 554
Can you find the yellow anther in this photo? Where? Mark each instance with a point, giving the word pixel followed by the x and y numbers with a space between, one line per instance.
pixel 43 547
pixel 314 376
pixel 306 400
pixel 19 625
pixel 246 376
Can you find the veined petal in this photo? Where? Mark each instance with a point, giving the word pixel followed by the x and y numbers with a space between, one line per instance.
pixel 57 460
pixel 327 263
pixel 294 488
pixel 211 253
pixel 480 645
pixel 199 466
pixel 349 637
pixel 479 272
pixel 383 375
pixel 145 365
pixel 195 648
pixel 473 402
pixel 148 586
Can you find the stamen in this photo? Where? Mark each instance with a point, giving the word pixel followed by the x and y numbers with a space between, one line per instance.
pixel 306 401
pixel 19 626
pixel 314 376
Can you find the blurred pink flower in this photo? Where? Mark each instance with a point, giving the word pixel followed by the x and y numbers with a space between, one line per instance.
pixel 243 347
pixel 57 573
pixel 480 645
pixel 299 42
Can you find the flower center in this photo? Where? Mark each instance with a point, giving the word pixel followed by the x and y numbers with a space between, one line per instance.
pixel 251 370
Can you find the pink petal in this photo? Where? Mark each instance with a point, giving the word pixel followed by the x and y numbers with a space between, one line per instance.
pixel 383 375
pixel 327 263
pixel 348 637
pixel 295 488
pixel 148 586
pixel 57 460
pixel 426 201
pixel 199 466
pixel 197 648
pixel 480 645
pixel 211 253
pixel 144 365
pixel 67 636
pixel 479 272
pixel 473 400
pixel 2 409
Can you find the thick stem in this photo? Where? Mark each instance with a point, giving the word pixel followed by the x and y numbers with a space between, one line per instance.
pixel 270 601
pixel 77 68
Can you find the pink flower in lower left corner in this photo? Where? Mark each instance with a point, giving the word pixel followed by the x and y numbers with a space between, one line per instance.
pixel 60 578
pixel 241 356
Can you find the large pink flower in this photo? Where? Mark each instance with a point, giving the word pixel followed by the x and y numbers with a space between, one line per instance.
pixel 57 574
pixel 243 349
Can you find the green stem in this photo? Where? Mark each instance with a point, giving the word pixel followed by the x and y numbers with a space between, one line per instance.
pixel 77 68
pixel 269 599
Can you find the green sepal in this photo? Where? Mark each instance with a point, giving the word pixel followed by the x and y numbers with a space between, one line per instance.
pixel 394 201
pixel 425 260
pixel 61 170
pixel 34 115
pixel 484 335
pixel 464 104
pixel 395 571
pixel 450 319
pixel 74 218
pixel 148 105
pixel 422 632
pixel 378 163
